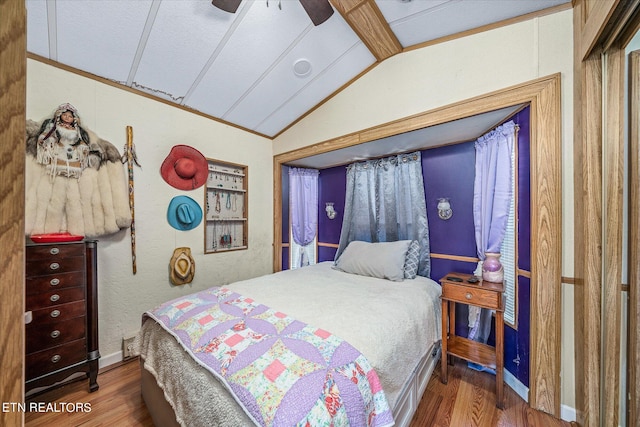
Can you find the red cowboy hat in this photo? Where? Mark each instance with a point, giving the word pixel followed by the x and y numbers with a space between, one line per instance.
pixel 185 168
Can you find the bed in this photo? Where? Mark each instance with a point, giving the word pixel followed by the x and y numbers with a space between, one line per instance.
pixel 367 312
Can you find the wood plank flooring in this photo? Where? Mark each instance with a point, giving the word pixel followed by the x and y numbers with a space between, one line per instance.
pixel 468 400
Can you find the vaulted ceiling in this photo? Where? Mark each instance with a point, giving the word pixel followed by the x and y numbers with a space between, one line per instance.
pixel 261 68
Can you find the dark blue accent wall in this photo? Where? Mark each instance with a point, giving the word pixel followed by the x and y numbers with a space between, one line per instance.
pixel 448 171
pixel 332 185
pixel 524 190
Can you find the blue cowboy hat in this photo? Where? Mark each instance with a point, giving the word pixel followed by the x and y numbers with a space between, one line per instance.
pixel 184 213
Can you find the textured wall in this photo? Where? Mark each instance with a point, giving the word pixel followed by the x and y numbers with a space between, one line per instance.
pixel 106 110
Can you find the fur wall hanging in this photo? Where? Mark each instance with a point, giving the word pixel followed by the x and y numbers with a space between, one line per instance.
pixel 74 180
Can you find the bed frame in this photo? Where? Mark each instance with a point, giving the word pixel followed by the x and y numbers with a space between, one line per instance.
pixel 163 416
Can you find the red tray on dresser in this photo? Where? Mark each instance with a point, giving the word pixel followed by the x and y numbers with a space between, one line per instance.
pixel 55 238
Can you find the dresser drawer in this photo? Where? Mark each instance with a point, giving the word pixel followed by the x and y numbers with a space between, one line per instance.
pixel 42 267
pixel 52 359
pixel 54 252
pixel 55 297
pixel 39 284
pixel 471 295
pixel 43 336
pixel 58 313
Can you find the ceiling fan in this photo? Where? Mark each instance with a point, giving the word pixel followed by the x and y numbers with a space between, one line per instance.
pixel 318 10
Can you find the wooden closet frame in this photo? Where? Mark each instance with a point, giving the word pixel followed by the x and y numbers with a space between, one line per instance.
pixel 602 29
pixel 546 219
pixel 13 100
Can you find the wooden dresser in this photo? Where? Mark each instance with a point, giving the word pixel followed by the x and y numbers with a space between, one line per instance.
pixel 61 296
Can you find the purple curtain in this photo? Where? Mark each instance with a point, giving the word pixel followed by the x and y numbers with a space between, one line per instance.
pixel 303 196
pixel 491 199
pixel 492 187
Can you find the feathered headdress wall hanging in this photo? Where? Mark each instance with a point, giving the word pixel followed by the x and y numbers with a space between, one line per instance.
pixel 74 180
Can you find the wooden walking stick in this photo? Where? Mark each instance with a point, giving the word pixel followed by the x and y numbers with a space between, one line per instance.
pixel 130 157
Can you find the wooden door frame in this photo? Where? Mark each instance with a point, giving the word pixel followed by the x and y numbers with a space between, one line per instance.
pixel 546 220
pixel 602 29
pixel 13 63
pixel 633 356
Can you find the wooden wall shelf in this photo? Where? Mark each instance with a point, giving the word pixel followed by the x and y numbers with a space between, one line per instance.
pixel 226 213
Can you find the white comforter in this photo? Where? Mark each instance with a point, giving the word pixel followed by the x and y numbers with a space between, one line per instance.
pixel 393 324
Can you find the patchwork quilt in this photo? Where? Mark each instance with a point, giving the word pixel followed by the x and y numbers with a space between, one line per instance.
pixel 281 371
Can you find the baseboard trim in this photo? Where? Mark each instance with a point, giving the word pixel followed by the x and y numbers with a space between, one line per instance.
pixel 567 413
pixel 515 384
pixel 110 359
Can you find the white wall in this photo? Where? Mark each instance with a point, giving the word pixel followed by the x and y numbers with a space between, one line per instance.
pixel 425 79
pixel 157 127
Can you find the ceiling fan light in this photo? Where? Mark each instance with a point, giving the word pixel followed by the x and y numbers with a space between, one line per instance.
pixel 318 10
pixel 227 5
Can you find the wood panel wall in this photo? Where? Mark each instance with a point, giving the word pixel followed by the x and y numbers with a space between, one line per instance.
pixel 546 161
pixel 633 361
pixel 613 152
pixel 13 64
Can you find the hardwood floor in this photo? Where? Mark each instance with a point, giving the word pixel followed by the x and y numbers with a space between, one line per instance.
pixel 117 402
pixel 467 400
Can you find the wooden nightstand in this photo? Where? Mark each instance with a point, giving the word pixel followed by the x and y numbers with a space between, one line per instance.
pixel 482 294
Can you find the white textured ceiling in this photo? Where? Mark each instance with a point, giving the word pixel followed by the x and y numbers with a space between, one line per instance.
pixel 239 67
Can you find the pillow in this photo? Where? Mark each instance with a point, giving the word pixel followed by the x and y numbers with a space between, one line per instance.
pixel 412 260
pixel 384 260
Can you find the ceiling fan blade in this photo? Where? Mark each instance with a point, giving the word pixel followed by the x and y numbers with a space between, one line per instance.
pixel 227 5
pixel 318 10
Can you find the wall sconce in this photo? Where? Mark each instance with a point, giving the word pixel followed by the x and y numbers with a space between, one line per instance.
pixel 444 208
pixel 331 213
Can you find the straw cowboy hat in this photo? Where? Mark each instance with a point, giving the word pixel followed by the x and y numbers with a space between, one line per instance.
pixel 185 168
pixel 184 213
pixel 182 267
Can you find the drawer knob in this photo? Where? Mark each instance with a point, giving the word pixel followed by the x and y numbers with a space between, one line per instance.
pixel 55 313
pixel 468 295
pixel 54 282
pixel 55 334
pixel 54 297
pixel 54 251
pixel 54 266
pixel 56 358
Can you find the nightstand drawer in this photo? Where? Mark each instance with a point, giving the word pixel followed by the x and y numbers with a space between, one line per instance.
pixel 471 295
pixel 43 336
